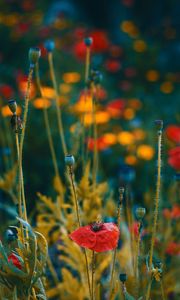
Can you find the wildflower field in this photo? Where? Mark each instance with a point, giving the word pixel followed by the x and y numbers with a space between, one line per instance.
pixel 89 150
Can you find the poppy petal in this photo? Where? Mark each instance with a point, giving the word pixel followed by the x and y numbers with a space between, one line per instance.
pixel 84 237
pixel 107 238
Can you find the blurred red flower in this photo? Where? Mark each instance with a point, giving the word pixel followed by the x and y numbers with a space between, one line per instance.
pixel 6 91
pixel 174 158
pixel 173 248
pixel 100 41
pixel 173 133
pixel 14 259
pixel 80 50
pixel 98 237
pixel 116 107
pixel 101 144
pixel 112 65
pixel 174 213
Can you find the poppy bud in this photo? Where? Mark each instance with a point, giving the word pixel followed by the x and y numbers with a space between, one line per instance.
pixel 123 277
pixel 12 106
pixel 13 258
pixel 16 123
pixel 140 212
pixel 10 236
pixel 159 124
pixel 69 160
pixel 88 41
pixel 34 54
pixel 49 45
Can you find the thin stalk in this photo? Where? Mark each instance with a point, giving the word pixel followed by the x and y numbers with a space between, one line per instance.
pixel 79 223
pixel 121 193
pixel 95 153
pixel 157 196
pixel 48 128
pixel 92 274
pixel 162 291
pixel 148 289
pixel 58 109
pixel 52 270
pixel 136 266
pixel 34 294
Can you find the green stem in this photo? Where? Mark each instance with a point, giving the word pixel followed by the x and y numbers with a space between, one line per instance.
pixel 58 109
pixel 92 274
pixel 48 128
pixel 121 193
pixel 148 290
pixel 79 223
pixel 162 291
pixel 95 154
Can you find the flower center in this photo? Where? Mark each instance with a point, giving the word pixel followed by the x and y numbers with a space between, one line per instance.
pixel 96 226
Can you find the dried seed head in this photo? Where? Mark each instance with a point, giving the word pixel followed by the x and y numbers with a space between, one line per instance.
pixel 49 45
pixel 69 160
pixel 34 55
pixel 140 212
pixel 12 106
pixel 88 41
pixel 123 277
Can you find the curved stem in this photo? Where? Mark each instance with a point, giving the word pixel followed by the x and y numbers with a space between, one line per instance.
pixel 58 109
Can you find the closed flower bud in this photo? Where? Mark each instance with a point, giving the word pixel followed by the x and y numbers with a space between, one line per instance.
pixel 140 212
pixel 122 277
pixel 69 160
pixel 49 45
pixel 34 55
pixel 12 106
pixel 10 236
pixel 88 41
pixel 159 124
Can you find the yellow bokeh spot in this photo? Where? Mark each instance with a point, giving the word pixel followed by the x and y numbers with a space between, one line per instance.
pixel 64 88
pixel 145 152
pixel 139 46
pixel 102 117
pixel 41 103
pixel 48 92
pixel 5 111
pixel 71 77
pixel 131 160
pixel 88 120
pixel 139 134
pixel 129 113
pixel 110 138
pixel 135 103
pixel 166 87
pixel 125 138
pixel 152 75
pixel 130 28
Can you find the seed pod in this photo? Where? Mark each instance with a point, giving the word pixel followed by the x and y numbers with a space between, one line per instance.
pixel 12 106
pixel 159 124
pixel 88 41
pixel 69 160
pixel 49 45
pixel 140 213
pixel 34 55
pixel 123 277
pixel 10 236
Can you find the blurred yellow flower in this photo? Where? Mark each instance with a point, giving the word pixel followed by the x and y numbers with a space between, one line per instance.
pixel 152 75
pixel 125 138
pixel 64 88
pixel 145 152
pixel 139 46
pixel 84 103
pixel 166 87
pixel 130 28
pixel 5 111
pixel 71 77
pixel 102 117
pixel 40 103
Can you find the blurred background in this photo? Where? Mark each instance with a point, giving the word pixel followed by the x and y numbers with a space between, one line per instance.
pixel 135 46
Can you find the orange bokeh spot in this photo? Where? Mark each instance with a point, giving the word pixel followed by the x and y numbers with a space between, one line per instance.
pixel 102 117
pixel 130 28
pixel 125 138
pixel 41 103
pixel 5 111
pixel 145 152
pixel 84 103
pixel 129 113
pixel 64 88
pixel 110 138
pixel 152 75
pixel 135 103
pixel 131 160
pixel 139 46
pixel 48 92
pixel 166 87
pixel 23 88
pixel 71 77
pixel 139 134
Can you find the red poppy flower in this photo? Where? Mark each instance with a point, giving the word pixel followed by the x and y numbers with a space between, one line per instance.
pixel 100 41
pixel 174 158
pixel 99 237
pixel 116 107
pixel 6 91
pixel 173 248
pixel 101 144
pixel 14 259
pixel 173 133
